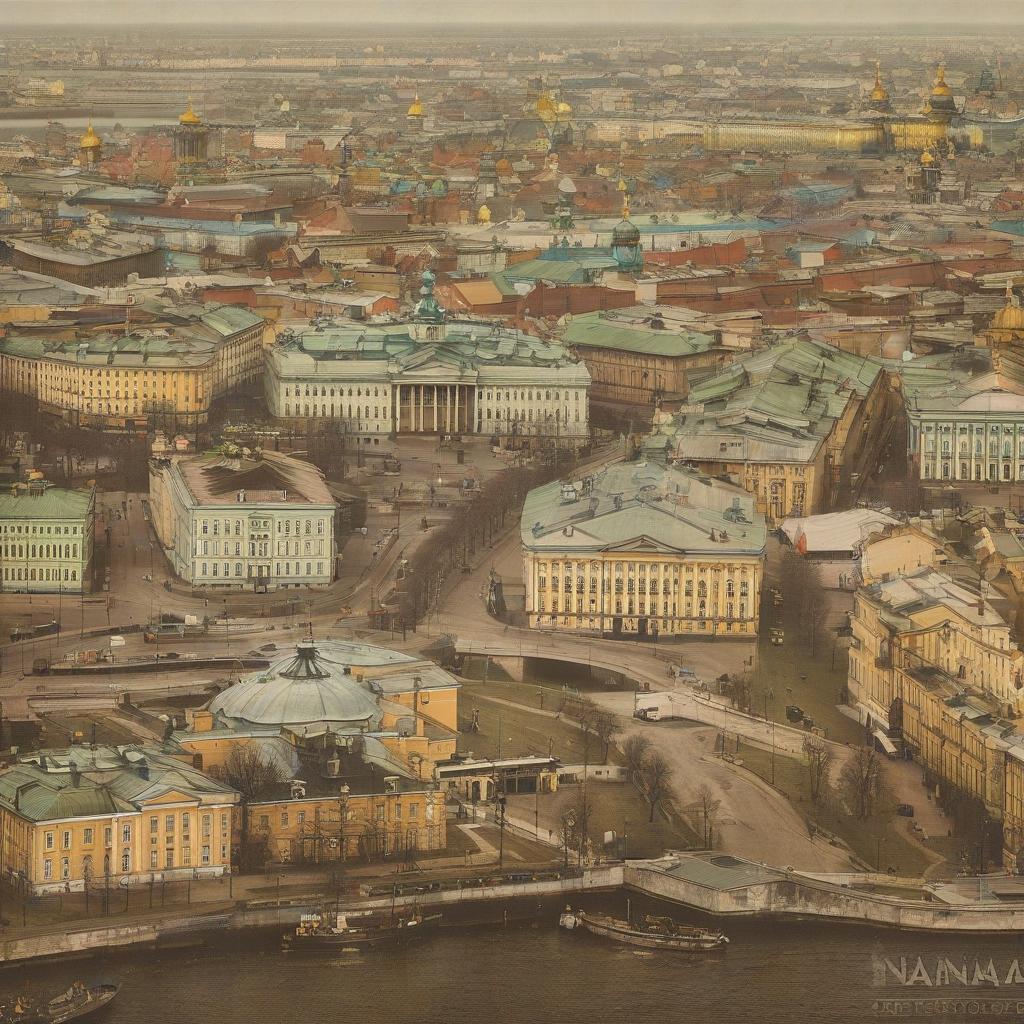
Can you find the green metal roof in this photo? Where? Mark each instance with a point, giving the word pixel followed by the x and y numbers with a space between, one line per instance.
pixel 53 503
pixel 598 330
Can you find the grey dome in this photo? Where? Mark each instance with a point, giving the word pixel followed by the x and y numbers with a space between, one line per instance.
pixel 300 689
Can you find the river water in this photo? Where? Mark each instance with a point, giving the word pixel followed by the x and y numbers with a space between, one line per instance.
pixel 529 972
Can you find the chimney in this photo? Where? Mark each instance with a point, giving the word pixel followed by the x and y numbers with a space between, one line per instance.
pixel 981 607
pixel 76 776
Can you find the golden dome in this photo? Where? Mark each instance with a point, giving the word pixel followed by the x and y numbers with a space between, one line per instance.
pixel 90 140
pixel 564 108
pixel 1011 316
pixel 879 94
pixel 927 159
pixel 190 116
pixel 940 88
pixel 415 108
pixel 483 215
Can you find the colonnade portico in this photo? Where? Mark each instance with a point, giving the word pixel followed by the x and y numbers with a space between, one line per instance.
pixel 434 408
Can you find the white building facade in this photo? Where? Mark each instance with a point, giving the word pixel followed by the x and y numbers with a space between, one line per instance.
pixel 220 533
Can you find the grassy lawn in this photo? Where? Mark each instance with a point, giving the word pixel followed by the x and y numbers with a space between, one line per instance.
pixel 522 731
pixel 877 837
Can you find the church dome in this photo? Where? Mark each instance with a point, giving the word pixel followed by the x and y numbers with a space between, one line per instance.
pixel 1011 316
pixel 940 87
pixel 190 116
pixel 90 140
pixel 310 686
pixel 415 108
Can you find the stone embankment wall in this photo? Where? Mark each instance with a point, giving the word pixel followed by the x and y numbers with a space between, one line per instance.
pixel 801 896
pixel 171 928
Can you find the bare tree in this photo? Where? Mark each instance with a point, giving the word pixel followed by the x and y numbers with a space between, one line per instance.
pixel 607 727
pixel 587 714
pixel 635 751
pixel 819 759
pixel 250 770
pixel 707 807
pixel 657 775
pixel 861 780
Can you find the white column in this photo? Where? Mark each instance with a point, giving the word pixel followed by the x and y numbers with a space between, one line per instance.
pixel 436 390
pixel 448 408
pixel 457 428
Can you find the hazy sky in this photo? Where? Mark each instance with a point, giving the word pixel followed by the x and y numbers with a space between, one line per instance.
pixel 528 12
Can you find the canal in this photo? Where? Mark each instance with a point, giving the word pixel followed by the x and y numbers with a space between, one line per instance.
pixel 527 971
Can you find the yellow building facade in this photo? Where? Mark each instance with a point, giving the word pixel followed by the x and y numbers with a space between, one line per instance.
pixel 642 549
pixel 934 664
pixel 110 816
pixel 110 380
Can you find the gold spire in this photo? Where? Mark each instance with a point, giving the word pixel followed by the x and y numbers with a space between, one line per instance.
pixel 625 206
pixel 879 94
pixel 415 108
pixel 90 140
pixel 190 116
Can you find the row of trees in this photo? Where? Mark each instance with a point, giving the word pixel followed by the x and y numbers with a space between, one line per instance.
pixel 474 525
pixel 804 604
pixel 859 782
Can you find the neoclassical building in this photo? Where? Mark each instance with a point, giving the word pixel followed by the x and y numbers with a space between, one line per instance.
pixel 356 732
pixel 431 375
pixel 46 539
pixel 639 549
pixel 965 410
pixel 173 370
pixel 231 520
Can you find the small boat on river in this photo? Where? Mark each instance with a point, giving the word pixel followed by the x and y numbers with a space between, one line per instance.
pixel 339 930
pixel 652 933
pixel 78 1003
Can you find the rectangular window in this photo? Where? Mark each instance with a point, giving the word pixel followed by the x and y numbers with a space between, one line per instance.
pixel 206 855
pixel 154 859
pixel 49 840
pixel 47 869
pixel 126 834
pixel 154 825
pixel 207 824
pixel 186 855
pixel 284 819
pixel 65 840
pixel 169 859
pixel 87 837
pixel 169 824
pixel 108 836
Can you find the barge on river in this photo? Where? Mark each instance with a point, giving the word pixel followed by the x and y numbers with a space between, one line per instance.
pixel 652 933
pixel 339 930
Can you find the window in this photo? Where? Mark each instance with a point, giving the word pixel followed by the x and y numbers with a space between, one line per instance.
pixel 65 868
pixel 65 839
pixel 186 855
pixel 126 861
pixel 207 824
pixel 169 859
pixel 126 834
pixel 265 821
pixel 49 840
pixel 205 857
pixel 47 869
pixel 169 824
pixel 154 859
pixel 284 819
pixel 154 825
pixel 87 837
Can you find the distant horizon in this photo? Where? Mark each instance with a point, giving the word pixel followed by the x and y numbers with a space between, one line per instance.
pixel 586 14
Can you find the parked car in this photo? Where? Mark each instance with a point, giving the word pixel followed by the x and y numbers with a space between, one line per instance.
pixel 777 637
pixel 794 713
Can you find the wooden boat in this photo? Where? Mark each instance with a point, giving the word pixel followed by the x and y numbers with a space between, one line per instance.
pixel 78 1003
pixel 652 933
pixel 340 930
